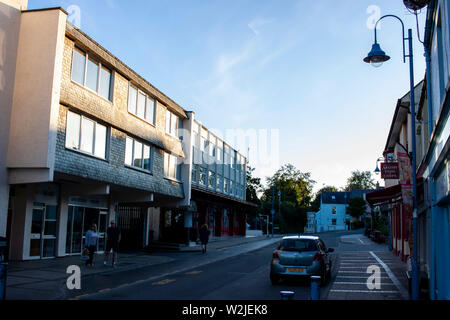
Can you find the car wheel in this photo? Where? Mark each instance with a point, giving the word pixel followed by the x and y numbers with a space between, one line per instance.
pixel 323 277
pixel 274 279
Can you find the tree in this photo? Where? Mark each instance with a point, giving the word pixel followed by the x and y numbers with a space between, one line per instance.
pixel 315 205
pixel 296 195
pixel 254 187
pixel 360 180
pixel 356 207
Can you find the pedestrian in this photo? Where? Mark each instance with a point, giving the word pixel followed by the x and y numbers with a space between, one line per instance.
pixel 204 237
pixel 91 243
pixel 112 242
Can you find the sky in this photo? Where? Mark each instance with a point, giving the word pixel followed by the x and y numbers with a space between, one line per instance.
pixel 290 68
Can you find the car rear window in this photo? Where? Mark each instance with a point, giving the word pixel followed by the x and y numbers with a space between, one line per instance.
pixel 298 245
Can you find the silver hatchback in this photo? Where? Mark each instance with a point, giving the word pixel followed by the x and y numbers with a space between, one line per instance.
pixel 301 256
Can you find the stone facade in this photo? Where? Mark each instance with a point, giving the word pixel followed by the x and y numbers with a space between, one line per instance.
pixel 113 169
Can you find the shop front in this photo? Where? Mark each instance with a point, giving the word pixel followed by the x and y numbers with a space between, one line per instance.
pixel 83 212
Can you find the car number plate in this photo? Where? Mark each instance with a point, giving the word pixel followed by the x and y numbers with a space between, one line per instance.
pixel 296 270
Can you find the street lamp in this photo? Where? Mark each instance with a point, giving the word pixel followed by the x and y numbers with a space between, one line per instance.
pixel 376 57
pixel 377 169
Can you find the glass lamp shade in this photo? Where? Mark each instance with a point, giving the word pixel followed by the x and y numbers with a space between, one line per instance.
pixel 376 56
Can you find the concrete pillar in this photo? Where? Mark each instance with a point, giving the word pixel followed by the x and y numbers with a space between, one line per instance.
pixel 62 225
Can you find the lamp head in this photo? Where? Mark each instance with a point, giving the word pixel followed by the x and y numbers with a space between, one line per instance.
pixel 377 170
pixel 376 56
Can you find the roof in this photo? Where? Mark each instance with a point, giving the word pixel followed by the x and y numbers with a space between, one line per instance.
pixel 342 197
pixel 387 195
pixel 87 43
pixel 302 237
pixel 335 197
pixel 400 115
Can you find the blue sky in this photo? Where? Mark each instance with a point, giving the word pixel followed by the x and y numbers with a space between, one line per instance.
pixel 293 66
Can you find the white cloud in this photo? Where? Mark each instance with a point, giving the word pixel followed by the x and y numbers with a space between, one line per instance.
pixel 256 24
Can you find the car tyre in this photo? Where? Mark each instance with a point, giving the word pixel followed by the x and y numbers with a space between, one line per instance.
pixel 274 279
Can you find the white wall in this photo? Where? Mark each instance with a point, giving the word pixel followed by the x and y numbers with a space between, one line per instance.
pixel 37 90
pixel 9 31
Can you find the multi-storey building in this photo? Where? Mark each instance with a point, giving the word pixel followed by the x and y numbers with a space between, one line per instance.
pixel 87 140
pixel 332 215
pixel 432 171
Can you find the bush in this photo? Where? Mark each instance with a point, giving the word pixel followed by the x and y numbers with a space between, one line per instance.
pixel 357 225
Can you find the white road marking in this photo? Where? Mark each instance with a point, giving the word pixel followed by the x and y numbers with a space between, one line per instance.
pixel 364 283
pixel 364 291
pixel 358 277
pixel 360 240
pixel 394 279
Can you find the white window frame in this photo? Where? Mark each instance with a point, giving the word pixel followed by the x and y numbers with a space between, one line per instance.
pixel 171 159
pixel 169 122
pixel 100 66
pixel 132 155
pixel 78 149
pixel 146 107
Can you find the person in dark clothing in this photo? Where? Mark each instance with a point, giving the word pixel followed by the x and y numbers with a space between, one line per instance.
pixel 204 237
pixel 91 243
pixel 112 242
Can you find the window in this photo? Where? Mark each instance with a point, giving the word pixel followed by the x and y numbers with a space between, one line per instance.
pixel 219 183
pixel 141 105
pixel 226 185
pixel 333 210
pixel 211 179
pixel 194 173
pixel 333 221
pixel 85 135
pixel 138 154
pixel 91 74
pixel 203 176
pixel 231 187
pixel 171 123
pixel 170 166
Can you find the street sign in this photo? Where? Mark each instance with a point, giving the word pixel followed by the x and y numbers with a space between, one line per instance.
pixel 390 170
pixel 272 212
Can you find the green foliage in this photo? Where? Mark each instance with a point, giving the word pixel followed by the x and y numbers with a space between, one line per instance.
pixel 253 188
pixel 360 180
pixel 356 207
pixel 296 195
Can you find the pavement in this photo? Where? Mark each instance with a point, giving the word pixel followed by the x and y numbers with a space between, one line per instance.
pixel 359 261
pixel 46 279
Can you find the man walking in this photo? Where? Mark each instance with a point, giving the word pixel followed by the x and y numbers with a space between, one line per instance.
pixel 112 242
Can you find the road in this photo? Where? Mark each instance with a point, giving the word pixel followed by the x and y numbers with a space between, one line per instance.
pixel 243 277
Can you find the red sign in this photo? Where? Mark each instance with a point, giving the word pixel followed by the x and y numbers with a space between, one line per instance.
pixel 389 170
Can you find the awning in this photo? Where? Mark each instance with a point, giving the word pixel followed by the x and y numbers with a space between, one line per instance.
pixel 388 195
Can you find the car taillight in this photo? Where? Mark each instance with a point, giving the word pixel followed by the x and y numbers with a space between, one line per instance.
pixel 275 255
pixel 318 256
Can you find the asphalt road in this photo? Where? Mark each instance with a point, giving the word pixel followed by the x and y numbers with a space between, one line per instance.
pixel 243 277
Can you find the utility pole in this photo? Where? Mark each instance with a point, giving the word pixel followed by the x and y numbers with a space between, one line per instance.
pixel 279 203
pixel 273 208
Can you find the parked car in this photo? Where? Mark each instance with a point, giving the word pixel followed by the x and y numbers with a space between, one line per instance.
pixel 377 236
pixel 301 256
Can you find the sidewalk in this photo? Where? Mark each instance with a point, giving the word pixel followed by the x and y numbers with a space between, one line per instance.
pixel 46 279
pixel 352 276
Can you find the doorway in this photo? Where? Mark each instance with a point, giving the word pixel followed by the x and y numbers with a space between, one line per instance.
pixel 43 231
pixel 79 221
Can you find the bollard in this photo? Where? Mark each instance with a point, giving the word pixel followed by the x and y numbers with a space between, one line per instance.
pixel 3 280
pixel 287 295
pixel 315 290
